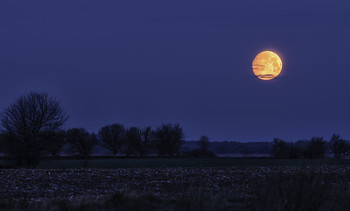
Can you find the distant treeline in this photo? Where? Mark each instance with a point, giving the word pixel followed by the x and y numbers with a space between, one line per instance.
pixel 32 128
pixel 316 147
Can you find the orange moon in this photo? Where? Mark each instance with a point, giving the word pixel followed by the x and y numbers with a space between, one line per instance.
pixel 267 65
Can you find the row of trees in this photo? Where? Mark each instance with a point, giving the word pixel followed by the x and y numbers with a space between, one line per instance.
pixel 164 141
pixel 315 148
pixel 33 126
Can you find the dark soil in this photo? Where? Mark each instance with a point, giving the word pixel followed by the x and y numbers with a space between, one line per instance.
pixel 166 183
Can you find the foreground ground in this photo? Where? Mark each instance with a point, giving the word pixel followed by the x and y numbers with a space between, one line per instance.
pixel 39 184
pixel 231 187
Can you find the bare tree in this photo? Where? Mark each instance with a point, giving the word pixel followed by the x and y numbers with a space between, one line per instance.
pixel 169 139
pixel 80 141
pixel 112 137
pixel 147 141
pixel 26 125
pixel 138 141
pixel 133 141
pixel 338 146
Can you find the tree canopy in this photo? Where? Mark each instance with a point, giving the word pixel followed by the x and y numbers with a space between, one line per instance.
pixel 28 123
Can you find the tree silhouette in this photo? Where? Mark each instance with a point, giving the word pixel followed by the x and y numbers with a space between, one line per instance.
pixel 28 123
pixel 279 148
pixel 337 145
pixel 168 139
pixel 283 149
pixel 316 148
pixel 80 141
pixel 147 141
pixel 112 137
pixel 203 148
pixel 133 141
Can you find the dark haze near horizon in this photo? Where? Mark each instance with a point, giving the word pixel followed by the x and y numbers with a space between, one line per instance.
pixel 143 63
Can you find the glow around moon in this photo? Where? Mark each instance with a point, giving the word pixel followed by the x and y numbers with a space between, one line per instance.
pixel 267 65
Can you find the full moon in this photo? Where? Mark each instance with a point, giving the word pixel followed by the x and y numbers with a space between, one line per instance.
pixel 267 65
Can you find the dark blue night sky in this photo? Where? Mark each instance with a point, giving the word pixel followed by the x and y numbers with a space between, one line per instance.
pixel 149 62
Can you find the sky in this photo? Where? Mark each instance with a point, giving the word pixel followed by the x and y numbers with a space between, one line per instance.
pixel 149 62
